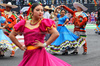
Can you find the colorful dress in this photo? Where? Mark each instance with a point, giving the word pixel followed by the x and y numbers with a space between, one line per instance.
pixel 81 20
pixel 5 42
pixel 39 56
pixel 11 19
pixel 79 24
pixel 92 18
pixel 66 40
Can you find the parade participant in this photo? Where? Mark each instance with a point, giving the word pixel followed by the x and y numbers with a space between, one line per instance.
pixel 34 32
pixel 15 14
pixel 89 19
pixel 79 20
pixel 11 18
pixel 52 16
pixel 92 18
pixel 97 30
pixel 51 11
pixel 26 18
pixel 46 13
pixel 5 42
pixel 67 41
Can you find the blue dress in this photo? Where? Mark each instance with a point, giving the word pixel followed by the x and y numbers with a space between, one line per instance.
pixel 66 40
pixel 5 42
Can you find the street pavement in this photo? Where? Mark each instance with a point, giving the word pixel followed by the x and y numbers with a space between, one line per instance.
pixel 91 59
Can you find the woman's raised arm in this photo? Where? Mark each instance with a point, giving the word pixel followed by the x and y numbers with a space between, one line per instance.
pixel 68 9
pixel 55 11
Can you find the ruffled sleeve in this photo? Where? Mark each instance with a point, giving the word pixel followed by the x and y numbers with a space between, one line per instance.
pixel 58 15
pixel 47 24
pixel 19 27
pixel 65 17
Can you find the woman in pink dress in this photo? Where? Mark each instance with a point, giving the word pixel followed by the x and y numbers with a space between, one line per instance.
pixel 34 32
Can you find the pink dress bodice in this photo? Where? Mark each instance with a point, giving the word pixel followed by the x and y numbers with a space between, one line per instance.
pixel 30 35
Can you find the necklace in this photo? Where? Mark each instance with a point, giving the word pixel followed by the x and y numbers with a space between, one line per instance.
pixel 34 23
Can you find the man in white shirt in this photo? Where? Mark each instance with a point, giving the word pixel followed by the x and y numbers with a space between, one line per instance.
pixel 46 13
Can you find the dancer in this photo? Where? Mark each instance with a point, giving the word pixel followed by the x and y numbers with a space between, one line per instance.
pixel 79 20
pixel 5 42
pixel 34 32
pixel 10 18
pixel 97 30
pixel 67 41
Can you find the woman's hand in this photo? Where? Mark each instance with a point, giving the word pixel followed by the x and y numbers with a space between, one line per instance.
pixel 63 24
pixel 38 44
pixel 62 5
pixel 58 7
pixel 23 48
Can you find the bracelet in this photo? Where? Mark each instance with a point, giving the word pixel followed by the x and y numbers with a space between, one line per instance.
pixel 45 44
pixel 22 46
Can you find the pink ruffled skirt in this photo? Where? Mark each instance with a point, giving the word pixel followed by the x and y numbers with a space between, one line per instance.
pixel 40 57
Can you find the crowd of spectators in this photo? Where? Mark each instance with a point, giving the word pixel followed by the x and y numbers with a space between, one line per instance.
pixel 48 2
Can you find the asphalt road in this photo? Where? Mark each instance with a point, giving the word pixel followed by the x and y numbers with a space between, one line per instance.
pixel 91 59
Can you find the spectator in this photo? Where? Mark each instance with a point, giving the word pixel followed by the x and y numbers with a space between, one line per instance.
pixel 4 1
pixel 14 2
pixel 52 7
pixel 1 1
pixel 17 2
pixel 52 1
